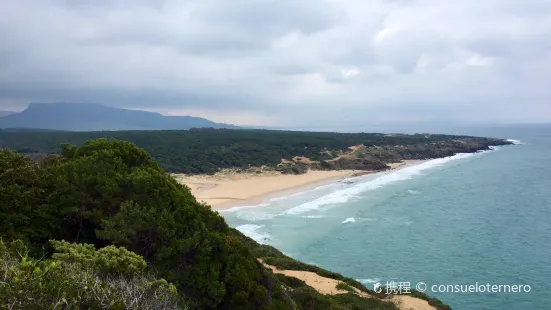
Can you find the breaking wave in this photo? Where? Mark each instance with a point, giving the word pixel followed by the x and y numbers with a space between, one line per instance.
pixel 515 142
pixel 254 215
pixel 369 281
pixel 384 178
pixel 314 216
pixel 252 231
pixel 235 209
pixel 349 220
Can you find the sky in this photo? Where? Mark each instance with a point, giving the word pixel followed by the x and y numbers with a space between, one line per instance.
pixel 295 63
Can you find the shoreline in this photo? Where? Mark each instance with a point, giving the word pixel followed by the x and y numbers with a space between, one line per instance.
pixel 229 189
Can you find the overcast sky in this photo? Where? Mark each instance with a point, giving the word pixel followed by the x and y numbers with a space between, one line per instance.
pixel 284 62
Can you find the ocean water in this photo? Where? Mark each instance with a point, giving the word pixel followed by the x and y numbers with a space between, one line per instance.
pixel 466 219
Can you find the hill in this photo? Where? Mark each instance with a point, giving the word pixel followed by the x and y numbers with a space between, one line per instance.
pixel 6 113
pixel 133 238
pixel 97 117
pixel 209 150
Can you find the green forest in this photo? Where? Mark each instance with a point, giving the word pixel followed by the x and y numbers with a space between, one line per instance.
pixel 209 150
pixel 103 226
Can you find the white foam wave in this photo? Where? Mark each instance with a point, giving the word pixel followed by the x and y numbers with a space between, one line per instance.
pixel 385 178
pixel 252 215
pixel 349 220
pixel 314 216
pixel 320 187
pixel 239 208
pixel 252 231
pixel 368 219
pixel 515 142
pixel 288 196
pixel 413 192
pixel 369 281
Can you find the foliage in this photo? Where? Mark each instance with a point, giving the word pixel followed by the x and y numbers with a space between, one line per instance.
pixel 109 259
pixel 123 218
pixel 27 283
pixel 437 303
pixel 306 297
pixel 108 192
pixel 274 257
pixel 345 287
pixel 355 302
pixel 21 192
pixel 208 150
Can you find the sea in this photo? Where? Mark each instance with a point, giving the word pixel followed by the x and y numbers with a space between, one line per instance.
pixel 476 220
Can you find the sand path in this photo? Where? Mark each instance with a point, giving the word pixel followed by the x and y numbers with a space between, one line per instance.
pixel 328 286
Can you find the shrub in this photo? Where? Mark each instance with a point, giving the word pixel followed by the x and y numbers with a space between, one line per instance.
pixel 109 192
pixel 345 287
pixel 110 259
pixel 27 283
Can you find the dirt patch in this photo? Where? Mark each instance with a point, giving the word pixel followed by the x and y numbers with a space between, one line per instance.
pixel 405 302
pixel 323 285
pixel 302 159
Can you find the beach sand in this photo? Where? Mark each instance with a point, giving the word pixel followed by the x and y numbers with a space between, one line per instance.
pixel 227 189
pixel 230 188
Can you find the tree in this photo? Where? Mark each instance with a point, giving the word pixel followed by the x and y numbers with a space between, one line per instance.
pixel 108 192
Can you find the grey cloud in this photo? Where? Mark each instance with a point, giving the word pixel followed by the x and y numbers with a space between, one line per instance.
pixel 395 59
pixel 207 26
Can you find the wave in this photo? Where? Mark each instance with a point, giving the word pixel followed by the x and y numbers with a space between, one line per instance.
pixel 382 179
pixel 349 220
pixel 413 192
pixel 253 215
pixel 239 208
pixel 252 231
pixel 368 219
pixel 515 142
pixel 369 281
pixel 314 216
pixel 288 196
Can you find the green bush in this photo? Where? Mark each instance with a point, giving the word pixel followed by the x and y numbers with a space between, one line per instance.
pixel 109 192
pixel 27 283
pixel 110 259
pixel 355 302
pixel 345 287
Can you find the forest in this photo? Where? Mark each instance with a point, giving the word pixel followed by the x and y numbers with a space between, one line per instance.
pixel 103 226
pixel 209 150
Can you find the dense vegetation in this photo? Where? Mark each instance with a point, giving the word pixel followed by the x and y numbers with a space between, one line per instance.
pixel 102 226
pixel 79 277
pixel 208 150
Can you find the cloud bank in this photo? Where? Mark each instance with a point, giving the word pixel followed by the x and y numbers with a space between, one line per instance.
pixel 284 62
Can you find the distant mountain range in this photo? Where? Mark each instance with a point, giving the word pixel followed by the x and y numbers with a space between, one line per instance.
pixel 98 117
pixel 6 113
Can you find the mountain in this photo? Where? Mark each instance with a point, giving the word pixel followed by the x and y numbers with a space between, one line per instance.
pixel 6 113
pixel 97 117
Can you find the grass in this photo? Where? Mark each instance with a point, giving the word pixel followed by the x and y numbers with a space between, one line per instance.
pixel 345 287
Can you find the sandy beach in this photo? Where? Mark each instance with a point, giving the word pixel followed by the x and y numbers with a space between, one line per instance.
pixel 230 188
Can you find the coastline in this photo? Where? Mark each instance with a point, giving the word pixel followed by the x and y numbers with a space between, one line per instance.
pixel 229 188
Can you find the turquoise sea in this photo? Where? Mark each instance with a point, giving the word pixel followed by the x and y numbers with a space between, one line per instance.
pixel 467 219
